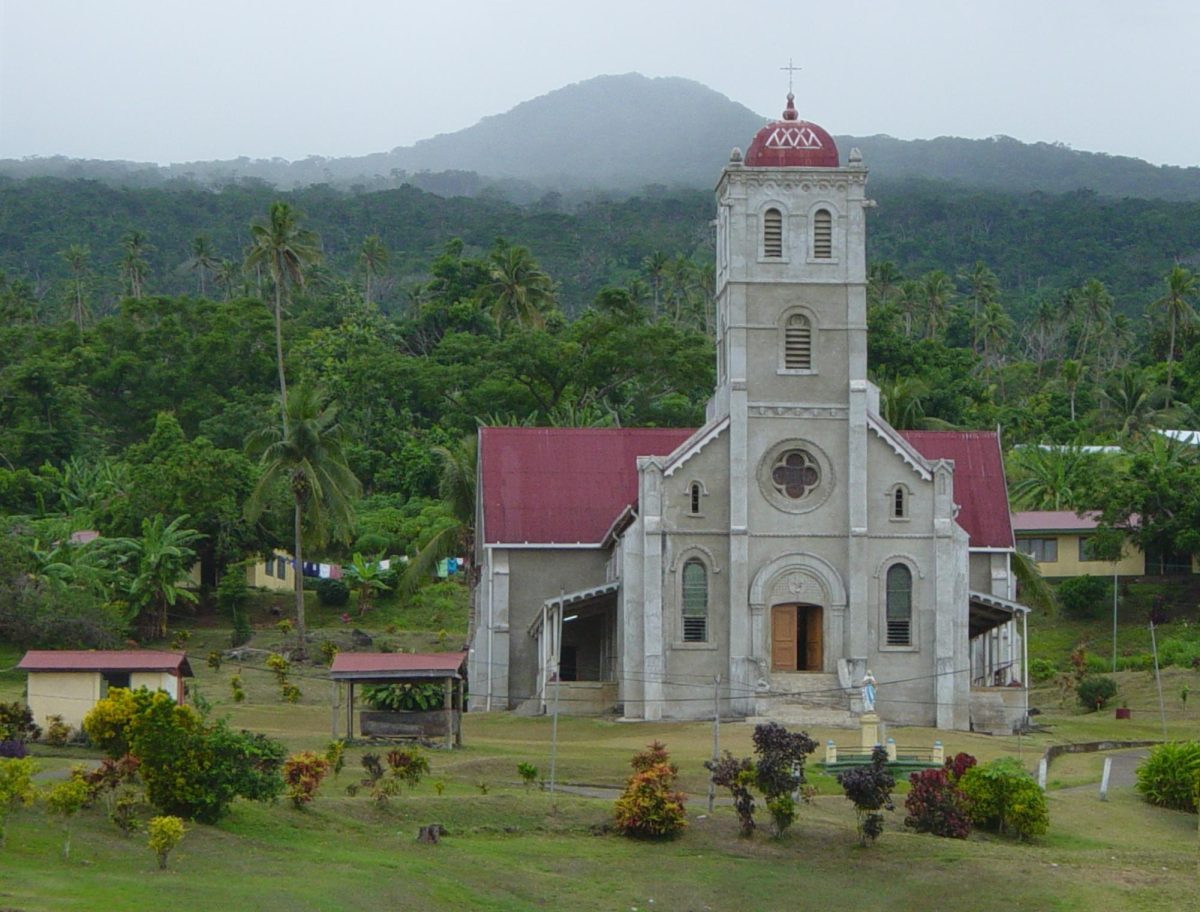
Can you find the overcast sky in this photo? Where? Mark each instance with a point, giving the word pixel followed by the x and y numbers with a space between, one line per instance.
pixel 161 80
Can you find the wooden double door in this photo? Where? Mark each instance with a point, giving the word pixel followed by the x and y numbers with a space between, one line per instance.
pixel 797 639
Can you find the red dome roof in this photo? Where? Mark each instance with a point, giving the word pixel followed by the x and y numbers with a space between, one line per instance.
pixel 792 143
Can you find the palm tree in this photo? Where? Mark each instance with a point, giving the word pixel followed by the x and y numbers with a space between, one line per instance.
pixel 1133 405
pixel 983 287
pixel 937 290
pixel 1181 286
pixel 307 457
pixel 1095 305
pixel 373 257
pixel 908 299
pixel 456 487
pixel 228 274
pixel 655 266
pixel 518 288
pixel 286 250
pixel 992 329
pixel 883 279
pixel 1049 477
pixel 76 257
pixel 202 260
pixel 134 266
pixel 1071 373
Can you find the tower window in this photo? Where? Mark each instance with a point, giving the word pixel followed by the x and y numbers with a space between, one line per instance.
pixel 823 235
pixel 695 602
pixel 773 234
pixel 797 343
pixel 899 605
pixel 695 498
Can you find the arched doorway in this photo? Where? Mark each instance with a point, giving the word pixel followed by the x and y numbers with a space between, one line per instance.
pixel 797 637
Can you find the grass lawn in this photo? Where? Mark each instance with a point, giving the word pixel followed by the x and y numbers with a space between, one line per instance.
pixel 511 848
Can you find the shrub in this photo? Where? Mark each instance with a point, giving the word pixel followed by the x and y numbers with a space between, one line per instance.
pixel 779 769
pixel 1006 799
pixel 651 807
pixel 329 651
pixel 214 660
pixel 737 775
pixel 16 723
pixel 1042 669
pixel 191 769
pixel 335 754
pixel 114 782
pixel 16 788
pixel 870 789
pixel 65 800
pixel 404 697
pixel 165 834
pixel 1170 776
pixel 408 765
pixel 1085 597
pixel 236 688
pixel 936 805
pixel 333 593
pixel 13 750
pixel 528 773
pixel 1095 691
pixel 302 776
pixel 58 732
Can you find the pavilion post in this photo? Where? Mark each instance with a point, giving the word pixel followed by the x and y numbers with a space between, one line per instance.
pixel 333 707
pixel 458 720
pixel 448 704
pixel 350 711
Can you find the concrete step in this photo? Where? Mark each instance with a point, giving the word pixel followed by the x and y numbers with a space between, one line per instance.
pixel 794 715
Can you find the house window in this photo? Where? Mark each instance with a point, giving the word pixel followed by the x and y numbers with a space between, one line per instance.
pixel 695 492
pixel 281 568
pixel 773 234
pixel 797 343
pixel 695 602
pixel 111 679
pixel 823 235
pixel 898 502
pixel 1087 548
pixel 270 568
pixel 795 474
pixel 899 605
pixel 1042 550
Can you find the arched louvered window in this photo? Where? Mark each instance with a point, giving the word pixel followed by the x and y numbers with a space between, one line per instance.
pixel 899 605
pixel 695 601
pixel 797 343
pixel 773 234
pixel 822 234
pixel 899 504
pixel 695 498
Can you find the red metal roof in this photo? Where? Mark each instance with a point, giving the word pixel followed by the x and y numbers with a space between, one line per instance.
pixel 562 485
pixel 792 143
pixel 979 486
pixel 105 660
pixel 397 664
pixel 1055 521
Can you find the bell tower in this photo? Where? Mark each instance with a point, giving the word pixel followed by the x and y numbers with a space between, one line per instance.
pixel 792 372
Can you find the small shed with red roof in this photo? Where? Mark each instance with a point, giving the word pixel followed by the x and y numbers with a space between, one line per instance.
pixel 69 682
pixel 443 669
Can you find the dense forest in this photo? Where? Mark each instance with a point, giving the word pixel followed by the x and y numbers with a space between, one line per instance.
pixel 149 337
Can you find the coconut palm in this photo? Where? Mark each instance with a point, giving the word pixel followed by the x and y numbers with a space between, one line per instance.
pixel 373 257
pixel 228 274
pixel 286 250
pixel 135 269
pixel 883 280
pixel 982 289
pixel 517 288
pixel 456 487
pixel 1095 309
pixel 1134 405
pixel 202 261
pixel 1071 373
pixel 655 266
pixel 937 291
pixel 1049 477
pixel 308 458
pixel 1177 305
pixel 76 257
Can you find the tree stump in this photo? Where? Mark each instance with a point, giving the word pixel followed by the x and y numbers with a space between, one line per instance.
pixel 431 833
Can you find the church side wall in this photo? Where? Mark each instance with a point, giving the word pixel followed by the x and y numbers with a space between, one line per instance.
pixel 537 574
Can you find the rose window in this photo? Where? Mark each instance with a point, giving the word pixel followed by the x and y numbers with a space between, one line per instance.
pixel 795 473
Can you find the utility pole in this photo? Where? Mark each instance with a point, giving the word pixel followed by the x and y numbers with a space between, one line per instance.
pixel 712 786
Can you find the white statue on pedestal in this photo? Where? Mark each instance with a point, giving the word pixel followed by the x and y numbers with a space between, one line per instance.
pixel 868 692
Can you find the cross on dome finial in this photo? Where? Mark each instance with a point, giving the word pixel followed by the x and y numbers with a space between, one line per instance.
pixel 789 113
pixel 790 71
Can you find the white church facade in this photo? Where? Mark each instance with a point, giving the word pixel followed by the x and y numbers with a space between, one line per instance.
pixel 771 557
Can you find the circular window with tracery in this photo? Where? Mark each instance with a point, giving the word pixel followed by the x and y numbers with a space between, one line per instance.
pixel 795 474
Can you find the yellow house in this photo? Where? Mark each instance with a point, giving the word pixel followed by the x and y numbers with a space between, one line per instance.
pixel 1059 540
pixel 69 682
pixel 275 573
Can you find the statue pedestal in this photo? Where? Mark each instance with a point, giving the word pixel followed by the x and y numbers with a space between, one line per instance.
pixel 870 730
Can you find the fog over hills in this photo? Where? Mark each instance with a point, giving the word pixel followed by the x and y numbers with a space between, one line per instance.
pixel 616 134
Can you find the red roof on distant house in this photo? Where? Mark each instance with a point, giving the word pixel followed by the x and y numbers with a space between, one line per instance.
pixel 980 489
pixel 106 660
pixel 562 485
pixel 1054 521
pixel 396 664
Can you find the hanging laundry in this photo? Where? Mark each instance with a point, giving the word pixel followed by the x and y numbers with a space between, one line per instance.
pixel 323 571
pixel 452 565
pixel 385 564
pixel 443 568
pixel 335 571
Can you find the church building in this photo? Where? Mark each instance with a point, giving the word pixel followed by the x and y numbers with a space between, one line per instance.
pixel 767 560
